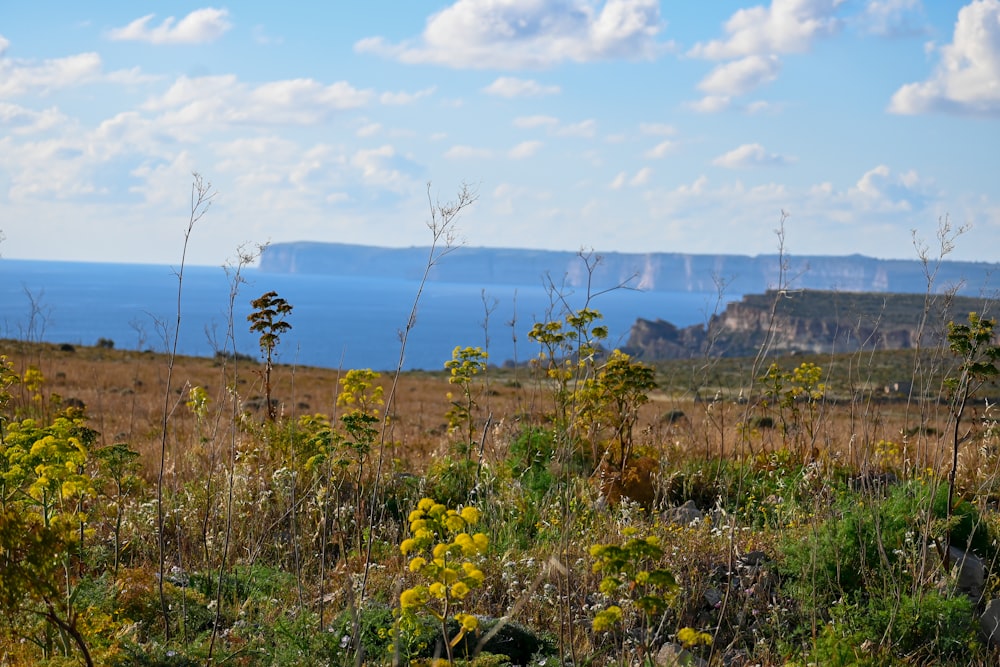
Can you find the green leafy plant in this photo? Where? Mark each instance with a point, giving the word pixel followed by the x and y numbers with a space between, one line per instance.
pixel 796 396
pixel 268 319
pixel 118 467
pixel 632 579
pixel 978 355
pixel 569 347
pixel 465 364
pixel 610 403
pixel 363 398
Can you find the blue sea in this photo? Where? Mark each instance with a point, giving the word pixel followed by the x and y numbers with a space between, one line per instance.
pixel 337 321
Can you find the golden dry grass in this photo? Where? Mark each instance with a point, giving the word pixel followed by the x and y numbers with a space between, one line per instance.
pixel 124 392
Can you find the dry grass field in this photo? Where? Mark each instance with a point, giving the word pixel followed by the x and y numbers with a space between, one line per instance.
pixel 285 542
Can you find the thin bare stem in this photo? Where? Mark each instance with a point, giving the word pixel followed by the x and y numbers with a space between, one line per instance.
pixel 444 240
pixel 201 200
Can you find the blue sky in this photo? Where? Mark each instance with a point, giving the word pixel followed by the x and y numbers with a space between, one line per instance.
pixel 617 125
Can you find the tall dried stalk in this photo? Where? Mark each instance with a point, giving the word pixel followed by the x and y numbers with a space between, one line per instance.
pixel 444 240
pixel 201 200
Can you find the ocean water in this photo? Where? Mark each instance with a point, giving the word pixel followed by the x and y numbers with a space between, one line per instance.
pixel 337 321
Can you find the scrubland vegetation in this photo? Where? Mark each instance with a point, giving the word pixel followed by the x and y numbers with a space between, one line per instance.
pixel 581 509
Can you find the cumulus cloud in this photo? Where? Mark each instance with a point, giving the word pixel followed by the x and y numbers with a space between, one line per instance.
pixel 525 149
pixel 369 130
pixel 200 26
pixel 711 104
pixel 514 34
pixel 786 26
pixel 755 37
pixel 585 128
pixel 211 101
pixel 28 121
pixel 893 18
pixel 638 179
pixel 880 189
pixel 740 77
pixel 967 78
pixel 400 99
pixel 45 76
pixel 878 210
pixel 660 150
pixel 508 86
pixel 382 167
pixel 641 177
pixel 750 155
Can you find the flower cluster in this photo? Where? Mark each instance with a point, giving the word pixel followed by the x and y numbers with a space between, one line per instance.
pixel 690 638
pixel 631 576
pixel 441 550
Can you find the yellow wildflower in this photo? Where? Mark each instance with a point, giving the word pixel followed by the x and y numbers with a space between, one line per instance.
pixel 471 515
pixel 459 590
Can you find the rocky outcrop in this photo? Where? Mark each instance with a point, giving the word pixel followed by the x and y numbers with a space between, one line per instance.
pixel 807 321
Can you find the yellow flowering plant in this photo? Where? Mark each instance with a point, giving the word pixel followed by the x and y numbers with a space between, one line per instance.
pixel 632 579
pixel 442 554
pixel 465 364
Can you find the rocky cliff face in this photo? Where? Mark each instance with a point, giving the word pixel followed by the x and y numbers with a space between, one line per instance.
pixel 807 321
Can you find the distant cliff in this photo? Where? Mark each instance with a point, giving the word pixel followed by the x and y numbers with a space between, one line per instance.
pixel 668 272
pixel 807 321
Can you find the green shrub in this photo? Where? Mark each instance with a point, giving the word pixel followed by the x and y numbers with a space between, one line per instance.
pixel 530 458
pixel 450 480
pixel 886 630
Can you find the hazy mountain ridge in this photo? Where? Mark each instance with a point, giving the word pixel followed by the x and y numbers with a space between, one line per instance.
pixel 668 272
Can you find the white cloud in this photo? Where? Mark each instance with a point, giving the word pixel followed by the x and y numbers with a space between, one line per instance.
pixel 740 77
pixel 29 121
pixel 892 18
pixel 200 26
pixel 658 129
pixel 45 76
pixel 261 36
pixel 514 34
pixel 467 153
pixel 379 167
pixel 755 36
pixel 524 149
pixel 369 130
pixel 638 179
pixel 967 79
pixel 660 150
pixel 585 128
pixel 641 177
pixel 711 104
pixel 400 99
pixel 750 155
pixel 48 168
pixel 213 101
pixel 879 189
pixel 760 106
pixel 508 86
pixel 876 211
pixel 528 122
pixel 786 26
